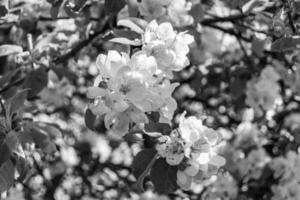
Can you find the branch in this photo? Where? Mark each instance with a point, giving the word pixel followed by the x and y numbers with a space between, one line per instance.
pixel 228 31
pixel 225 19
pixel 46 18
pixel 15 83
pixel 80 45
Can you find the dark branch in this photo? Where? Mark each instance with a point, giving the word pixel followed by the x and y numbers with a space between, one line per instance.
pixel 225 19
pixel 45 18
pixel 80 45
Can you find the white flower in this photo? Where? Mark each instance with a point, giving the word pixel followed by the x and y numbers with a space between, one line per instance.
pixel 169 48
pixel 69 156
pixel 152 9
pixel 175 11
pixel 192 147
pixel 111 63
pixel 178 11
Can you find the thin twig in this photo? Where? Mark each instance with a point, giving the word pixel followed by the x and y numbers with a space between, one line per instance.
pixel 45 18
pixel 226 18
pixel 77 47
pixel 228 31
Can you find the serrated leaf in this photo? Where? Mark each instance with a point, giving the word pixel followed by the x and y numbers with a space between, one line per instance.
pixel 7 175
pixel 131 25
pixel 285 44
pixel 36 81
pixel 8 49
pixel 163 177
pixel 126 41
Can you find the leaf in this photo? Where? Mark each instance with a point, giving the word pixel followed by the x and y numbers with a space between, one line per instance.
pixel 54 11
pixel 12 140
pixel 8 49
pixel 142 165
pixel 133 138
pixel 133 8
pixel 197 12
pixel 3 8
pixel 141 161
pixel 233 4
pixel 51 130
pixel 249 6
pixel 163 128
pixel 126 41
pixel 164 176
pixel 22 166
pixel 296 7
pixel 5 153
pixel 4 80
pixel 258 46
pixel 42 139
pixel 10 92
pixel 131 35
pixel 89 119
pixel 153 116
pixel 154 134
pixel 285 44
pixel 56 4
pixel 129 24
pixel 36 81
pixel 34 133
pixel 139 22
pixel 15 104
pixel 7 175
pixel 112 7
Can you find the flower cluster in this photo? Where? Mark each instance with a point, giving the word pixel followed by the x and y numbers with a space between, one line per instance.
pixel 262 92
pixel 191 148
pixel 130 86
pixel 287 171
pixel 176 11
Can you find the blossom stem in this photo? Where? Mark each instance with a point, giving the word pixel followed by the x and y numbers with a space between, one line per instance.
pixel 140 181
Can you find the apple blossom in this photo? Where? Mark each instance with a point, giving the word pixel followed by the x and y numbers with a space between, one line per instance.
pixel 191 147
